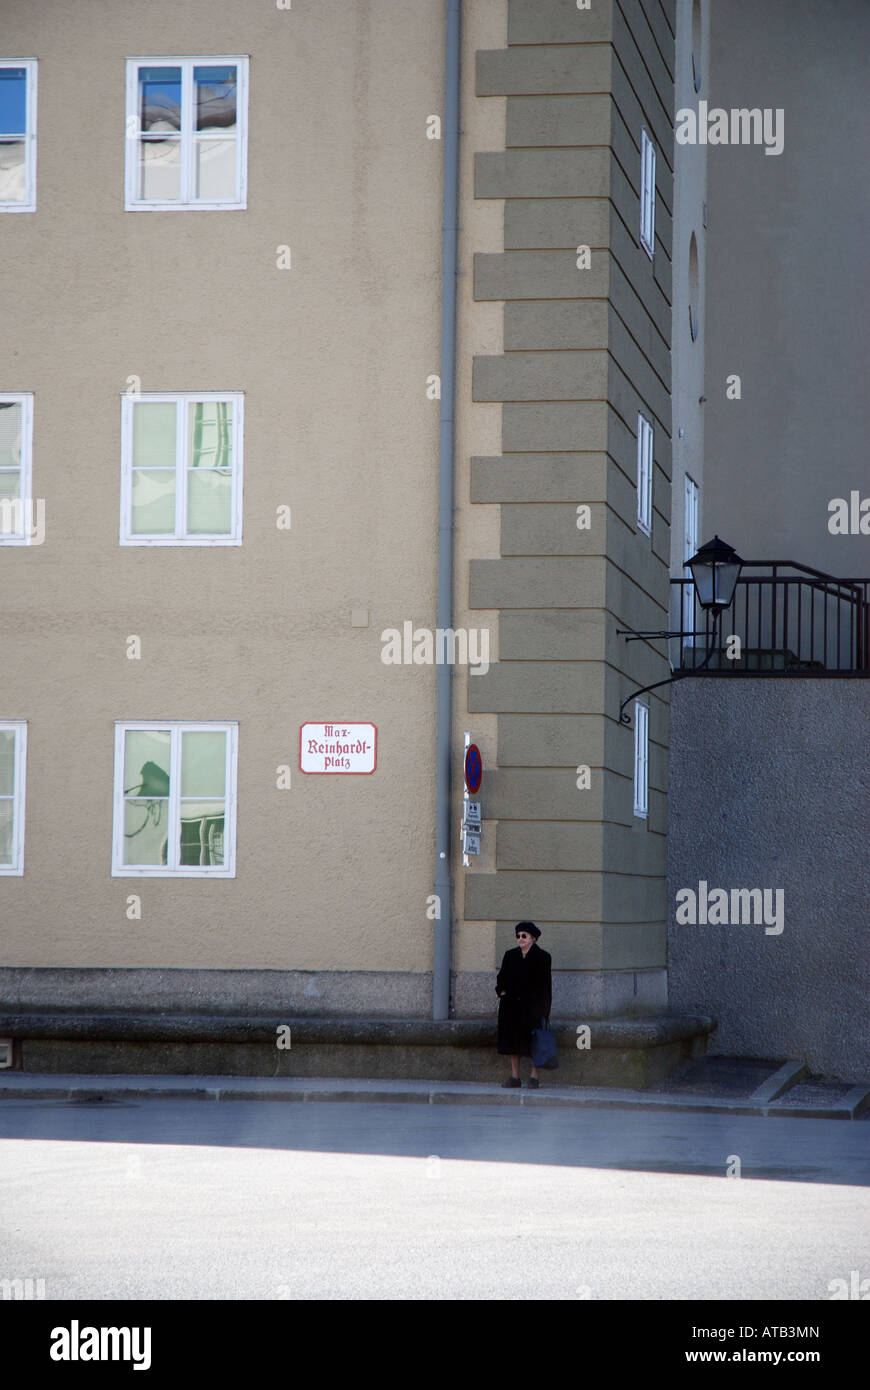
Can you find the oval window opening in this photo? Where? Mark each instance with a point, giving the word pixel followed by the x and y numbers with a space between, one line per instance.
pixel 694 287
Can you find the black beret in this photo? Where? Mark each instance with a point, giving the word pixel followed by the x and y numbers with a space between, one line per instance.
pixel 529 927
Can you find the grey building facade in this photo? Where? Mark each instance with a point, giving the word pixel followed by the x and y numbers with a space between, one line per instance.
pixel 769 777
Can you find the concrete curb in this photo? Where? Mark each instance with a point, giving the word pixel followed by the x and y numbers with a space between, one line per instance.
pixel 21 1086
pixel 858 1099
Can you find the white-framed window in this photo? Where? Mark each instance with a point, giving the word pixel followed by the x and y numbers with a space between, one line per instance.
pixel 13 751
pixel 18 135
pixel 16 452
pixel 647 194
pixel 175 799
pixel 641 759
pixel 181 468
pixel 690 545
pixel 644 475
pixel 186 133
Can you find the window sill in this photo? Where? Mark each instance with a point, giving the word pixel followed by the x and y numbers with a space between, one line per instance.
pixel 190 871
pixel 185 207
pixel 180 541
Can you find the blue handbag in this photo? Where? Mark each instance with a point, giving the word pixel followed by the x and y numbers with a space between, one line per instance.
pixel 544 1053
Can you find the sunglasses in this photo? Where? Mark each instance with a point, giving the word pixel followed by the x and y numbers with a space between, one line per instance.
pixel 526 934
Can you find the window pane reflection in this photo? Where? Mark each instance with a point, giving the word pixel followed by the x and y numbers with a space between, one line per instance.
pixel 146 762
pixel 215 169
pixel 154 434
pixel 6 824
pixel 160 169
pixel 215 97
pixel 145 831
pixel 201 839
pixel 160 99
pixel 209 503
pixel 153 501
pixel 7 762
pixel 203 763
pixel 13 181
pixel 13 101
pixel 210 434
pixel 10 434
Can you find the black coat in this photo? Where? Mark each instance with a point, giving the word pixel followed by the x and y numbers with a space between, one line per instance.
pixel 527 983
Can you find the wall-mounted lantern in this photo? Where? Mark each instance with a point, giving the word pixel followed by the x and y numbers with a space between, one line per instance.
pixel 715 570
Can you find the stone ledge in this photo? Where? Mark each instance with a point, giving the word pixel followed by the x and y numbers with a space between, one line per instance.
pixel 635 1052
pixel 610 1033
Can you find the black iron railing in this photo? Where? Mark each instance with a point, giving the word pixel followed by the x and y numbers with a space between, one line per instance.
pixel 787 623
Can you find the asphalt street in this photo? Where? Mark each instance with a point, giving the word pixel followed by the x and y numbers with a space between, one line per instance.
pixel 193 1199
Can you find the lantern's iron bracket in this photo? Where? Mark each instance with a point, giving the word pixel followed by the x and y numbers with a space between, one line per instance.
pixel 631 636
pixel 678 675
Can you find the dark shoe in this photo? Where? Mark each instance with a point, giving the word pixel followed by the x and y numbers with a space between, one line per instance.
pixel 511 1083
pixel 533 1083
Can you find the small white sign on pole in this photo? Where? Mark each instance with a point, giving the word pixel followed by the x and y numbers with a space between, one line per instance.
pixel 341 746
pixel 470 841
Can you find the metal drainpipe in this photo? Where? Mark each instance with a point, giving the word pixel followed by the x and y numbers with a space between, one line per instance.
pixel 443 882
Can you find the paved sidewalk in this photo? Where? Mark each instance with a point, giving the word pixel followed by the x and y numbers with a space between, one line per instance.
pixel 716 1084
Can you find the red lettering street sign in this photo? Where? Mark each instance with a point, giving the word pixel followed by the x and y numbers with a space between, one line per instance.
pixel 473 768
pixel 339 746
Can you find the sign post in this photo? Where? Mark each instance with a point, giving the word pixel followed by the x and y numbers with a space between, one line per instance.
pixel 471 824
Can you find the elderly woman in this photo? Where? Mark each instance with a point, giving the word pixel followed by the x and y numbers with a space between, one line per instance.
pixel 525 990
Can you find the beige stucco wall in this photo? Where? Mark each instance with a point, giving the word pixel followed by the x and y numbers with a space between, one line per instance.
pixel 333 357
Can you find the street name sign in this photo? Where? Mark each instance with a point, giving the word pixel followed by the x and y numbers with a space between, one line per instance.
pixel 340 746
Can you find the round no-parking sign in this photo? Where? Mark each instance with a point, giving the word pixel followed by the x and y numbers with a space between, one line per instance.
pixel 473 768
